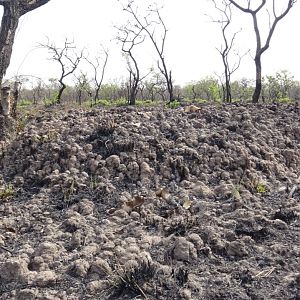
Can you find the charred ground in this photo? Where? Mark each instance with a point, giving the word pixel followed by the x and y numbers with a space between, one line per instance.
pixel 152 203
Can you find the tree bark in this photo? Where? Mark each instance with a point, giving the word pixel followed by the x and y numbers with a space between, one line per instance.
pixel 9 24
pixel 258 84
pixel 12 11
pixel 60 92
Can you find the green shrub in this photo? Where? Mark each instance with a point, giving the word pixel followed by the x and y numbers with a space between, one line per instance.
pixel 6 192
pixel 174 104
pixel 104 102
pixel 261 188
pixel 284 100
pixel 146 103
pixel 24 103
pixel 49 102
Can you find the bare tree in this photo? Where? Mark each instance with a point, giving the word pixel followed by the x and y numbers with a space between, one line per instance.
pixel 13 10
pixel 98 80
pixel 149 24
pixel 68 60
pixel 260 49
pixel 37 90
pixel 225 50
pixel 82 86
pixel 131 36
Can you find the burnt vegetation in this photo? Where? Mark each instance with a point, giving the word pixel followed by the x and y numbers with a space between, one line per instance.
pixel 143 189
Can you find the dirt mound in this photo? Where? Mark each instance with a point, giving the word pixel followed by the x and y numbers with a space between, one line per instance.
pixel 152 203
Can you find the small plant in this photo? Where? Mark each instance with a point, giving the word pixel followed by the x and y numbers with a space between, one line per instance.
pixel 21 123
pixel 121 102
pixel 236 192
pixel 50 136
pixel 284 100
pixel 7 192
pixel 24 103
pixel 50 102
pixel 199 100
pixel 104 102
pixel 94 182
pixel 174 104
pixel 261 188
pixel 68 192
pixel 146 103
pixel 130 282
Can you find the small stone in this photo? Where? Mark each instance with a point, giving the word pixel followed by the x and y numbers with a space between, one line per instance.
pixel 184 250
pixel 196 240
pixel 86 207
pixel 101 267
pixel 135 215
pixel 279 224
pixel 14 270
pixel 45 278
pixel 236 248
pixel 113 161
pixel 186 294
pixel 79 268
pixel 96 286
pixel 27 294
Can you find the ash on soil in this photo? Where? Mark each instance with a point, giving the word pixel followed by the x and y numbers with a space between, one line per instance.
pixel 152 203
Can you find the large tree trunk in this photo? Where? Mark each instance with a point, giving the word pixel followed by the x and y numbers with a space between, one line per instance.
pixel 258 85
pixel 9 24
pixel 13 10
pixel 60 92
pixel 169 85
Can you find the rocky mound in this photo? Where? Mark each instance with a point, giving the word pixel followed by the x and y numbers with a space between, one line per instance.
pixel 132 203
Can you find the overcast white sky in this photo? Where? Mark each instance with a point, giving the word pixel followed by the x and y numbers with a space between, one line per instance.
pixel 190 45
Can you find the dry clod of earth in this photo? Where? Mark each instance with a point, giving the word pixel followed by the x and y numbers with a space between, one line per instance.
pixel 156 204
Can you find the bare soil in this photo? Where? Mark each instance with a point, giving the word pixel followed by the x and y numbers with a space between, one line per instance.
pixel 152 203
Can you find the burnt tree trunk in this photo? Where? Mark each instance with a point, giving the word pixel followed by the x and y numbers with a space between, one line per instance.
pixel 12 11
pixel 9 24
pixel 258 79
pixel 60 92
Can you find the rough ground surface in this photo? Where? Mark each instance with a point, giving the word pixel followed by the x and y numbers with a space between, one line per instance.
pixel 149 203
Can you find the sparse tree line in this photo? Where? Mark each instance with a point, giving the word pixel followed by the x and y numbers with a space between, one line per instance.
pixel 279 87
pixel 146 25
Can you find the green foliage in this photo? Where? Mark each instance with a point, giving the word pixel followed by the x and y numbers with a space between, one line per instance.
pixel 146 103
pixel 284 100
pixel 110 103
pixel 242 90
pixel 236 192
pixel 206 89
pixel 276 88
pixel 196 100
pixel 261 188
pixel 200 101
pixel 24 103
pixel 174 104
pixel 7 192
pixel 280 87
pixel 94 182
pixel 213 89
pixel 21 123
pixel 50 102
pixel 103 102
pixel 121 102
